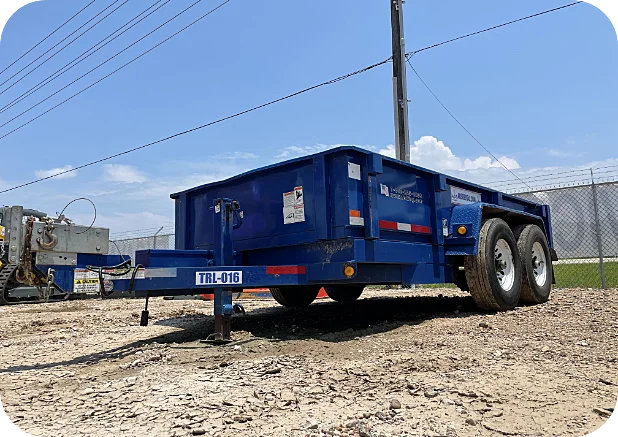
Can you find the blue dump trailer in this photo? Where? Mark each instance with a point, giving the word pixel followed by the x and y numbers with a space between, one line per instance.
pixel 344 219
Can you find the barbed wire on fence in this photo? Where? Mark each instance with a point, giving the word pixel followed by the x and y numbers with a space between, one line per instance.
pixel 553 175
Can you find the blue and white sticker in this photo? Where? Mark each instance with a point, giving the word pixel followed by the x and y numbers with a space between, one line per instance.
pixel 459 196
pixel 218 278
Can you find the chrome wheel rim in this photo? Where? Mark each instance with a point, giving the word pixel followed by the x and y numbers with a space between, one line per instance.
pixel 505 266
pixel 539 264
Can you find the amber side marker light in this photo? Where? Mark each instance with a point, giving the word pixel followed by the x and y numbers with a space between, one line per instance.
pixel 462 230
pixel 349 271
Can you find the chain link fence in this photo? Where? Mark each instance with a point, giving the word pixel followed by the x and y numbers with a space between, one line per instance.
pixel 585 228
pixel 584 222
pixel 124 245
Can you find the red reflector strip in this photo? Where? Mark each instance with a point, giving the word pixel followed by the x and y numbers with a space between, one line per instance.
pixel 286 270
pixel 387 225
pixel 406 227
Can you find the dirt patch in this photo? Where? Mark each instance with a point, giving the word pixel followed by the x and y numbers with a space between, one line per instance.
pixel 396 363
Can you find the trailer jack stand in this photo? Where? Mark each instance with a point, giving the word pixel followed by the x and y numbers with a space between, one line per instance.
pixel 223 317
pixel 144 319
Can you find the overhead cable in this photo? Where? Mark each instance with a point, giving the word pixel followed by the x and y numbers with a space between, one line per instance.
pixel 73 63
pixel 238 114
pixel 229 117
pixel 60 50
pixel 105 62
pixel 494 27
pixel 48 36
pixel 462 126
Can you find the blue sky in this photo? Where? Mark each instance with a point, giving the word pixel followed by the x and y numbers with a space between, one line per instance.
pixel 539 94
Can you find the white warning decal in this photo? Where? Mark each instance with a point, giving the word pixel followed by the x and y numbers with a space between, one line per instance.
pixel 87 281
pixel 354 171
pixel 357 221
pixel 294 206
pixel 384 190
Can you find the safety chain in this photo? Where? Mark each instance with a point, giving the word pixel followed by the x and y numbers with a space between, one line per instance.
pixel 24 273
pixel 50 282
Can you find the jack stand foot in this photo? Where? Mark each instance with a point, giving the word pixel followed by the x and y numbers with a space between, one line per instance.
pixel 223 331
pixel 144 320
pixel 215 339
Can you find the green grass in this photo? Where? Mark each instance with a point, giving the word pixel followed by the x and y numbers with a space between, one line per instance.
pixel 585 275
pixel 574 276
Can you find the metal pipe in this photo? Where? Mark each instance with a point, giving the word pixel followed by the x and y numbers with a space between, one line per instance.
pixel 400 87
pixel 597 224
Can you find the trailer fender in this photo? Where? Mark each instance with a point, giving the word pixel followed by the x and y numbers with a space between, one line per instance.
pixel 471 217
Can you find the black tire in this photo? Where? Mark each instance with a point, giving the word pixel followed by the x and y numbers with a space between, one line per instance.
pixel 295 297
pixel 344 293
pixel 7 282
pixel 531 291
pixel 459 279
pixel 482 270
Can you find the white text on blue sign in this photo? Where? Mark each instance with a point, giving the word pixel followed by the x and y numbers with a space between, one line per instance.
pixel 218 278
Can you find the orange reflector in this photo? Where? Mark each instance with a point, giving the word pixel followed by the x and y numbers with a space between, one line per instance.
pixel 349 271
pixel 354 213
pixel 462 230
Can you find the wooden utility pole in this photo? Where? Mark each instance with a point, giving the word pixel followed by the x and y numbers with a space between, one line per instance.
pixel 400 91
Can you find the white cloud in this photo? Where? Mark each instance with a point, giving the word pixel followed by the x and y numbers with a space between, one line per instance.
pixel 389 151
pixel 426 152
pixel 237 155
pixel 561 153
pixel 56 171
pixel 123 174
pixel 430 153
pixel 296 151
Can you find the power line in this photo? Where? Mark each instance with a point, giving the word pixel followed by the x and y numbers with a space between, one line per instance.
pixel 106 61
pixel 51 77
pixel 460 124
pixel 125 65
pixel 234 115
pixel 494 27
pixel 48 36
pixel 60 50
pixel 229 117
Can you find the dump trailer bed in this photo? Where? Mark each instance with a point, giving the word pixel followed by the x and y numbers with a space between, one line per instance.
pixel 344 219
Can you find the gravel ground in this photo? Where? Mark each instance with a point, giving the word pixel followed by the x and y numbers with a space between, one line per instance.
pixel 419 362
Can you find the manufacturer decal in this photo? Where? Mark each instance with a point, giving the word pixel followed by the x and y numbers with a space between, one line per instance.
pixel 401 194
pixel 459 196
